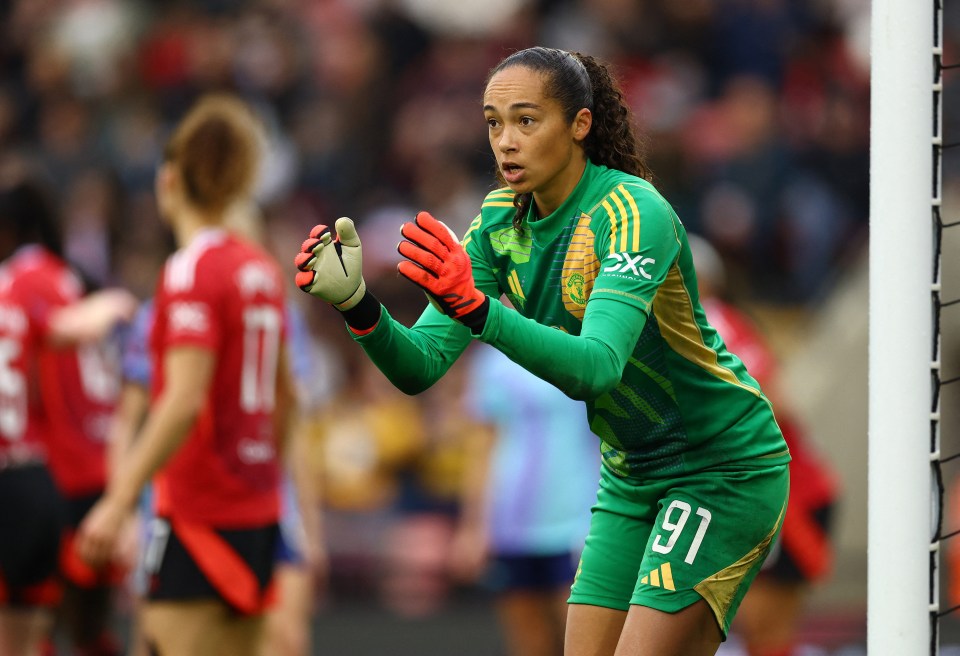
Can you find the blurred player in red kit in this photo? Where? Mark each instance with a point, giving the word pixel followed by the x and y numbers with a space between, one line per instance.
pixel 56 396
pixel 769 616
pixel 80 387
pixel 221 398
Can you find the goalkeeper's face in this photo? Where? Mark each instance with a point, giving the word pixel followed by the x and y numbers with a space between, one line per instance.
pixel 537 150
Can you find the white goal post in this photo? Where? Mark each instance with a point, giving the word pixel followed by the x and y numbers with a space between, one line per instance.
pixel 901 573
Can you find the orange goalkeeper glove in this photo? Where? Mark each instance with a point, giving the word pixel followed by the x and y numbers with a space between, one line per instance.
pixel 441 267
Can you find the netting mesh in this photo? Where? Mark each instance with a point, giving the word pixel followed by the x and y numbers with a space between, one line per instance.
pixel 941 605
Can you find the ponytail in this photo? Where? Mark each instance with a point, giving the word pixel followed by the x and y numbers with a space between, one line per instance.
pixel 612 141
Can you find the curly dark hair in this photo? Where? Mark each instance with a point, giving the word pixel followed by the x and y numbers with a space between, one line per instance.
pixel 578 81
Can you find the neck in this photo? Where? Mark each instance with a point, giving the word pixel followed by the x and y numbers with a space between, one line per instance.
pixel 190 221
pixel 547 200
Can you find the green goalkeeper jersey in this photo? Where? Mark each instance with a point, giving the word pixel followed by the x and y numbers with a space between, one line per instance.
pixel 607 309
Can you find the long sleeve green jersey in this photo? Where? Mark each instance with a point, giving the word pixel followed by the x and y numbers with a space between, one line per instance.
pixel 605 307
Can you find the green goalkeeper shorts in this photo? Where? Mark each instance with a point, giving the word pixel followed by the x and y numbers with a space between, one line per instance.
pixel 667 543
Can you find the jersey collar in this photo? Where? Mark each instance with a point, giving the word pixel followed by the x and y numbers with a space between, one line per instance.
pixel 208 235
pixel 549 227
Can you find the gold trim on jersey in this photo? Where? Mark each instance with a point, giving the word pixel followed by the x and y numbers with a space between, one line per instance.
pixel 624 220
pixel 499 198
pixel 778 454
pixel 622 217
pixel 674 311
pixel 580 268
pixel 636 213
pixel 719 589
pixel 632 297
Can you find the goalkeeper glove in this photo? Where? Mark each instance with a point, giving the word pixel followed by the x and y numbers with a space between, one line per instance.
pixel 441 267
pixel 331 268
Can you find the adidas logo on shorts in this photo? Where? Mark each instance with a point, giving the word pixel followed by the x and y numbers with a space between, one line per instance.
pixel 661 577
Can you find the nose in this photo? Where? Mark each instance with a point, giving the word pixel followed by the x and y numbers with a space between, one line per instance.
pixel 507 141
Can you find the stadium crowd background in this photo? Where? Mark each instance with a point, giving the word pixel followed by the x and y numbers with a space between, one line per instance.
pixel 756 112
pixel 757 119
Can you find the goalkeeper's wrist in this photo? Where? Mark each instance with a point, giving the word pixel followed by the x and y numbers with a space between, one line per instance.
pixel 363 315
pixel 475 320
pixel 354 298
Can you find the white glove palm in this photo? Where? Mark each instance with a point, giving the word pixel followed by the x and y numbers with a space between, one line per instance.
pixel 331 268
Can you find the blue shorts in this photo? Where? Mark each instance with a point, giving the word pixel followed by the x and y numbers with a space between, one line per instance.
pixel 290 543
pixel 288 551
pixel 527 572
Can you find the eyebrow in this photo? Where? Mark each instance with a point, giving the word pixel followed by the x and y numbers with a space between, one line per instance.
pixel 515 106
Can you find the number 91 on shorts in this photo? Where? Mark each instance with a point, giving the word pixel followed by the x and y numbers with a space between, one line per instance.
pixel 666 543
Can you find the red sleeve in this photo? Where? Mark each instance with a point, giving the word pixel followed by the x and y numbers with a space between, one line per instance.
pixel 44 290
pixel 743 339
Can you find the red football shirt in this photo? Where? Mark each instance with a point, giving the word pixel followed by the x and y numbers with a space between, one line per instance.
pixel 21 435
pixel 71 393
pixel 223 294
pixel 812 482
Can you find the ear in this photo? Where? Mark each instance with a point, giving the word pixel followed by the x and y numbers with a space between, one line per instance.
pixel 166 184
pixel 582 123
pixel 166 178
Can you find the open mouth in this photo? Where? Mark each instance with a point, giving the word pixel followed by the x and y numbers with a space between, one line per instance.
pixel 511 171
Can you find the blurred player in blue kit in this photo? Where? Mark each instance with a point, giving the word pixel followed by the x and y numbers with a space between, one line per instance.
pixel 531 480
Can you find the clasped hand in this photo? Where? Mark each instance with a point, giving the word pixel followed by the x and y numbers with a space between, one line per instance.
pixel 330 268
pixel 438 263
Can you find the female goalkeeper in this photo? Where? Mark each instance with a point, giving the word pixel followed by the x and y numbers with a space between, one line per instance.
pixel 694 474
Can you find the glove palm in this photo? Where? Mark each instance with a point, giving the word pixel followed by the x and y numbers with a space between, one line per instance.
pixel 331 268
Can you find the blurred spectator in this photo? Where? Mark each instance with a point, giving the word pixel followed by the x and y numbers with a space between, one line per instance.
pixel 783 220
pixel 353 90
pixel 90 208
pixel 97 38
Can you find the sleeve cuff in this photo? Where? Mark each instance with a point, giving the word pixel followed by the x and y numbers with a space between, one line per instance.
pixel 477 320
pixel 365 315
pixel 491 326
